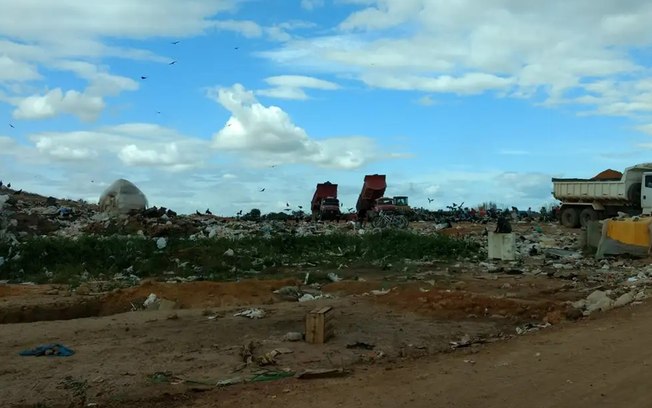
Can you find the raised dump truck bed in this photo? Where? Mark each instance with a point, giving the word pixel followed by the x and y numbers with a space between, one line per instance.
pixel 373 188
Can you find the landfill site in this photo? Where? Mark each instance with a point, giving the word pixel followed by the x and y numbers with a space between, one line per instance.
pixel 119 304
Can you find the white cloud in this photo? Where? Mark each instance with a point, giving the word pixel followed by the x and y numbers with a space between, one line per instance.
pixel 70 35
pixel 647 128
pixel 133 144
pixel 13 70
pixel 268 136
pixel 552 49
pixel 55 102
pixel 292 86
pixel 465 84
pixel 169 155
pixel 249 29
pixel 312 4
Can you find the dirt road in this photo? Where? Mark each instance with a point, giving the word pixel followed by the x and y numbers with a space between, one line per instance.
pixel 605 362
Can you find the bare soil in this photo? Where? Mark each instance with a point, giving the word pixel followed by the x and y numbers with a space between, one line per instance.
pixel 119 352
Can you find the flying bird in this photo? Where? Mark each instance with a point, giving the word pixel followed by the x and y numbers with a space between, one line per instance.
pixel 173 62
pixel 236 48
pixel 286 204
pixel 158 112
pixel 239 212
pixel 300 207
pixel 350 209
pixel 8 185
pixel 208 212
pixel 175 42
pixel 262 190
pixel 143 77
pixel 197 212
pixel 11 126
pixel 19 191
pixel 430 200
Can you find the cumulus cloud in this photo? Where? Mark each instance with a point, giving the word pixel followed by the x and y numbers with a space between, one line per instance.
pixel 268 135
pixel 71 36
pixel 292 86
pixel 247 28
pixel 566 52
pixel 55 102
pixel 168 156
pixel 133 144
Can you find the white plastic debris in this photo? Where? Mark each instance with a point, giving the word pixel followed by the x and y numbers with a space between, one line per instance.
pixel 252 313
pixel 229 252
pixel 151 300
pixel 333 277
pixel 307 297
pixel 161 243
pixel 380 292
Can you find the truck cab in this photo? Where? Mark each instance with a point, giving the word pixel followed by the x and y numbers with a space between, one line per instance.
pixel 329 209
pixel 385 204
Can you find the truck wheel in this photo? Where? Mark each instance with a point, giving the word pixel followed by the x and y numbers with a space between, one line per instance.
pixel 587 215
pixel 570 217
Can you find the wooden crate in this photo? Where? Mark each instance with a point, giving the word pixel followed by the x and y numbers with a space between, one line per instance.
pixel 319 325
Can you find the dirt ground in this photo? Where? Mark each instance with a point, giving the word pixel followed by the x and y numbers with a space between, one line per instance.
pixel 133 358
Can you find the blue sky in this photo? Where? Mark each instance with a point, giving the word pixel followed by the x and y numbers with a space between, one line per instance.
pixel 452 100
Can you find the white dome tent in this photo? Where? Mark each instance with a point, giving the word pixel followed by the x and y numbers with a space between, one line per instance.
pixel 122 197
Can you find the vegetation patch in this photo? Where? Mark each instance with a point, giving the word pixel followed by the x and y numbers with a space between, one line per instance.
pixel 70 260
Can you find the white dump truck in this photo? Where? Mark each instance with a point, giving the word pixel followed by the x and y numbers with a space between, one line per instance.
pixel 585 200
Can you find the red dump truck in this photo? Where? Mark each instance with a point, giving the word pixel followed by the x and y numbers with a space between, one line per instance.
pixel 373 188
pixel 325 204
pixel 382 211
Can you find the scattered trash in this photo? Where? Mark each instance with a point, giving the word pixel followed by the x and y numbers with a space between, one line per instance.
pixel 252 313
pixel 150 301
pixel 531 327
pixel 161 243
pixel 247 352
pixel 229 252
pixel 271 376
pixel 310 374
pixel 291 293
pixel 293 336
pixel 465 341
pixel 56 350
pixel 361 345
pixel 230 381
pixel 267 358
pixel 333 277
pixel 380 292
